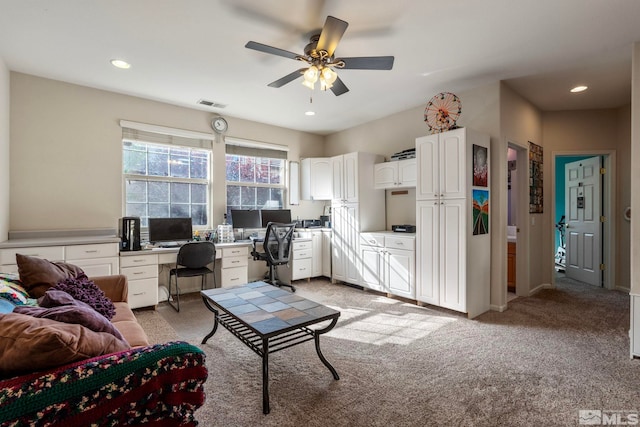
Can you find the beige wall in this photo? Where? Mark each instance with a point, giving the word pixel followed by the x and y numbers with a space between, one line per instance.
pixel 593 131
pixel 66 152
pixel 4 149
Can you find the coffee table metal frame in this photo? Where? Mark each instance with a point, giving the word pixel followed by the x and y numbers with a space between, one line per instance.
pixel 265 344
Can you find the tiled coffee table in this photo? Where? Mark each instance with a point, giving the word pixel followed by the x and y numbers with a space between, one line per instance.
pixel 268 319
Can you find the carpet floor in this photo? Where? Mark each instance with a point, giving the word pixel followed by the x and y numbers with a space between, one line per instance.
pixel 538 363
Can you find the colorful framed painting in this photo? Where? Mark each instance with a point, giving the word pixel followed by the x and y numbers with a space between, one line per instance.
pixel 480 212
pixel 535 178
pixel 480 166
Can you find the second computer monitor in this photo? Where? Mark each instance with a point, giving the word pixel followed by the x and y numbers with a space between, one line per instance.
pixel 275 215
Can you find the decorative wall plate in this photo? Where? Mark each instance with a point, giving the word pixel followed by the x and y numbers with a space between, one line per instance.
pixel 442 112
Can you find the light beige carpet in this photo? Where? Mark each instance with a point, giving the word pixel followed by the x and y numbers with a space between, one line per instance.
pixel 539 363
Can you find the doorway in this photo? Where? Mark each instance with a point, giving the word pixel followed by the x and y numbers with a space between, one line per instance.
pixel 517 220
pixel 569 212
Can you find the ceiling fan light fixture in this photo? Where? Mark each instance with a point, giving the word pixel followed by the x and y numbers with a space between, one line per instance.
pixel 311 75
pixel 308 84
pixel 329 76
pixel 324 85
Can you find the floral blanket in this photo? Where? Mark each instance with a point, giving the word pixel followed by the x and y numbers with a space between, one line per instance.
pixel 159 385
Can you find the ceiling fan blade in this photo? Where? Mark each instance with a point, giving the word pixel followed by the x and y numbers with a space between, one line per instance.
pixel 287 79
pixel 331 34
pixel 368 63
pixel 270 49
pixel 339 87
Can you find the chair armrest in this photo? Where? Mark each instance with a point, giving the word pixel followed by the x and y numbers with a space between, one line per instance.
pixel 115 287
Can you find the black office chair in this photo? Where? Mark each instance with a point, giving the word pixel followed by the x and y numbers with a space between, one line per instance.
pixel 192 261
pixel 277 249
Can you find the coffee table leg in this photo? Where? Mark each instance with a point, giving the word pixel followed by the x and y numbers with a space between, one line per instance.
pixel 215 321
pixel 265 377
pixel 316 337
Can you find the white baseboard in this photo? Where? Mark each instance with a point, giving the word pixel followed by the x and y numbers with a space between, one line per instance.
pixel 498 308
pixel 540 287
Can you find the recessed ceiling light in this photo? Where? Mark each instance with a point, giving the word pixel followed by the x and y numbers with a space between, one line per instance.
pixel 578 89
pixel 310 113
pixel 120 64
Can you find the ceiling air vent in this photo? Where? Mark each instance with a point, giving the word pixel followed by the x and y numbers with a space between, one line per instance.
pixel 211 103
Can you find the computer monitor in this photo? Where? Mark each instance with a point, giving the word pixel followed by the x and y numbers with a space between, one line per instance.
pixel 275 215
pixel 241 218
pixel 170 229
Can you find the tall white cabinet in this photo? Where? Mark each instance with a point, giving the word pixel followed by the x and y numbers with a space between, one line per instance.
pixel 452 264
pixel 355 206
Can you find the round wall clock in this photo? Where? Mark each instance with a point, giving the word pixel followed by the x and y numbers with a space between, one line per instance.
pixel 219 125
pixel 442 111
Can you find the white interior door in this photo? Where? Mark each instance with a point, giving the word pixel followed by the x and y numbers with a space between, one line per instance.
pixel 583 236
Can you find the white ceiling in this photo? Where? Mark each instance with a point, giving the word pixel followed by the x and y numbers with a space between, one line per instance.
pixel 182 51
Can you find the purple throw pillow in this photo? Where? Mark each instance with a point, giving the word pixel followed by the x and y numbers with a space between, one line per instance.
pixel 60 306
pixel 85 290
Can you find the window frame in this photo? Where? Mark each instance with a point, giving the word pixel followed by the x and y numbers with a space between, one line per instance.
pixel 169 179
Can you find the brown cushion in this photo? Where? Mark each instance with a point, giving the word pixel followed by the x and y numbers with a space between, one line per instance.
pixel 59 305
pixel 29 344
pixel 37 274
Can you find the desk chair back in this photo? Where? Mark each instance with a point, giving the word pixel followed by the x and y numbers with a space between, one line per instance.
pixel 196 254
pixel 277 242
pixel 192 260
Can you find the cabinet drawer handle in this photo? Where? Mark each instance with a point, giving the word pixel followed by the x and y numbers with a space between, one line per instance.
pixel 138 272
pixel 91 252
pixel 138 260
pixel 235 262
pixel 139 293
pixel 235 278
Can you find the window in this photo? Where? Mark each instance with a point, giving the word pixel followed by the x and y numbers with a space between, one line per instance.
pixel 166 181
pixel 255 178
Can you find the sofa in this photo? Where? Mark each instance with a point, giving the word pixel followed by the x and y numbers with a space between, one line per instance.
pixel 125 382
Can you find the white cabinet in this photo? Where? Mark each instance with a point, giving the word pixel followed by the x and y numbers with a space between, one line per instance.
pixel 356 206
pixel 99 259
pixel 443 170
pixel 301 259
pixel 452 264
pixel 388 263
pixel 141 270
pixel 316 260
pixel 316 178
pixel 234 264
pixel 395 174
pixel 326 253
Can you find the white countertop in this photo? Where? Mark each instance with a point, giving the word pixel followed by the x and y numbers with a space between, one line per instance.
pixel 58 241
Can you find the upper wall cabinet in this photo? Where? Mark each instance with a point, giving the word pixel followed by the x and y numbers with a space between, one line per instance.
pixel 316 178
pixel 395 174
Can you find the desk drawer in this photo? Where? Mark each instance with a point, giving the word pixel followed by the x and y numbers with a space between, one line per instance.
pixel 100 250
pixel 231 252
pixel 235 261
pixel 307 244
pixel 140 272
pixel 301 253
pixel 233 276
pixel 143 293
pixel 406 243
pixel 137 260
pixel 51 253
pixel 301 269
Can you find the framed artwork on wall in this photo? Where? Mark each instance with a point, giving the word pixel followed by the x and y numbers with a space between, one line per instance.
pixel 480 166
pixel 535 178
pixel 480 212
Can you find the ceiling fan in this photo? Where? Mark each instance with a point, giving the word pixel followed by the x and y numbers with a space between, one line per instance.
pixel 319 55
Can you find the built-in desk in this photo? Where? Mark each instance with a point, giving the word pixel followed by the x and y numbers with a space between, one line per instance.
pixel 142 269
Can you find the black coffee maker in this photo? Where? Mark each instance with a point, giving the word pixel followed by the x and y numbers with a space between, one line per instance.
pixel 129 232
